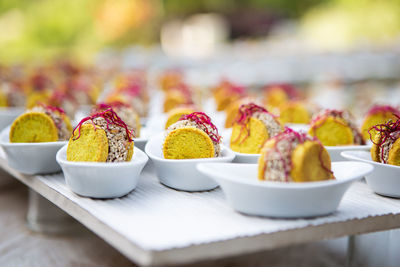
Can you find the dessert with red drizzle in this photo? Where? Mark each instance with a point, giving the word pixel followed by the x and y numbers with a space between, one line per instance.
pixel 252 127
pixel 193 136
pixel 101 137
pixel 124 111
pixel 335 128
pixel 386 143
pixel 378 114
pixel 294 157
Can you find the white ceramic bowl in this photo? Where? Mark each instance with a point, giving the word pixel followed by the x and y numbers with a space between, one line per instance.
pixel 182 174
pixel 248 195
pixel 384 180
pixel 335 151
pixel 8 115
pixel 31 158
pixel 100 179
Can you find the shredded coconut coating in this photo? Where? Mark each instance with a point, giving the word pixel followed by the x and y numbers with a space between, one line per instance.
pixel 277 159
pixel 118 142
pixel 273 126
pixel 63 132
pixel 186 123
pixel 128 115
pixel 387 145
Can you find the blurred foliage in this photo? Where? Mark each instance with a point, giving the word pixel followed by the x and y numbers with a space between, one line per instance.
pixel 342 24
pixel 287 8
pixel 46 28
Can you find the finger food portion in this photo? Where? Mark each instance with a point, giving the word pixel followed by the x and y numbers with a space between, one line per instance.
pixel 193 136
pixel 124 111
pixel 378 114
pixel 41 124
pixel 294 157
pixel 101 137
pixel 335 128
pixel 253 126
pixel 386 143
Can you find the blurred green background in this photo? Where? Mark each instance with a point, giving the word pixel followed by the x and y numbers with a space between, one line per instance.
pixel 40 29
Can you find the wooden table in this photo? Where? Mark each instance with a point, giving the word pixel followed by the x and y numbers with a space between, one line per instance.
pixel 155 225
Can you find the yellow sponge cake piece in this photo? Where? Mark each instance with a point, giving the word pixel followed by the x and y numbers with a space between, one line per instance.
pixel 33 127
pixel 335 128
pixel 89 144
pixel 192 136
pixel 254 125
pixel 188 143
pixel 294 157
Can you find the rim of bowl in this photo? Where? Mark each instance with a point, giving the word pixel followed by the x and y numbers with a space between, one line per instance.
pixel 353 157
pixel 304 185
pixel 63 151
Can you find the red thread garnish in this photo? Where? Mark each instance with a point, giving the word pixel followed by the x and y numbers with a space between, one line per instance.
pixel 110 117
pixel 387 131
pixel 200 118
pixel 244 114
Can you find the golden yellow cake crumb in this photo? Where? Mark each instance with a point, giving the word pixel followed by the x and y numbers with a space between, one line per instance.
pixel 243 142
pixel 92 145
pixel 307 165
pixel 33 127
pixel 130 151
pixel 188 143
pixel 332 132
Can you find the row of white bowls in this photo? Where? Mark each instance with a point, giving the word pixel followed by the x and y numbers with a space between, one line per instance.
pixel 239 181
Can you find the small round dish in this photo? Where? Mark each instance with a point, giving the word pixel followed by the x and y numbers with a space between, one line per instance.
pixel 181 174
pixel 248 195
pixel 100 179
pixel 31 158
pixel 384 180
pixel 335 151
pixel 8 115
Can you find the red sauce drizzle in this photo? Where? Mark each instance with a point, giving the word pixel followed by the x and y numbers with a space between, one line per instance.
pixel 244 115
pixel 385 130
pixel 111 118
pixel 200 118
